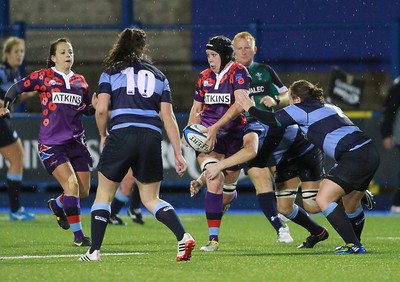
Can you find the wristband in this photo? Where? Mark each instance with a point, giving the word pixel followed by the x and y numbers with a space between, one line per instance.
pixel 276 98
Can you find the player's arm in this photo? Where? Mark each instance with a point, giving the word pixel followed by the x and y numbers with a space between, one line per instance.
pixel 102 116
pixel 25 96
pixel 233 112
pixel 247 153
pixel 9 99
pixel 171 127
pixel 248 105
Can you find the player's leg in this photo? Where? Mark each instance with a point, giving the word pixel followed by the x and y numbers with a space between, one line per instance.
pixel 229 189
pixel 134 210
pixel 165 213
pixel 68 180
pixel 286 196
pixel 122 197
pixel 14 154
pixel 213 201
pixel 100 212
pixel 262 179
pixel 328 195
pixel 355 211
pixel 117 204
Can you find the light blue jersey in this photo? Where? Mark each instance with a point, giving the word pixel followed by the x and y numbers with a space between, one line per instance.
pixel 136 93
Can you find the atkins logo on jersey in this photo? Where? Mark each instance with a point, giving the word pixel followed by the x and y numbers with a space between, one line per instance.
pixel 66 98
pixel 217 98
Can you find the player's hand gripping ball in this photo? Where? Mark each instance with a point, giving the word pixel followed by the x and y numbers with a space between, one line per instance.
pixel 195 138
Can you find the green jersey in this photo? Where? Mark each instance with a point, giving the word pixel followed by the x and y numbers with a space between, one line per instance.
pixel 264 81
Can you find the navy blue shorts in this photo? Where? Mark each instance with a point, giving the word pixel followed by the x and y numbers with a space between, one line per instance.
pixel 132 147
pixel 355 169
pixel 308 167
pixel 8 135
pixel 75 152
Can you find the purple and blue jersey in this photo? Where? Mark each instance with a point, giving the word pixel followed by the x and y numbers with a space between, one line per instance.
pixel 216 91
pixel 136 93
pixel 63 99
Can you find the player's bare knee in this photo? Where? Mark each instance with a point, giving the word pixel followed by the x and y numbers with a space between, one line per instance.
pixel 285 200
pixel 321 202
pixel 310 204
pixel 207 161
pixel 83 193
pixel 73 185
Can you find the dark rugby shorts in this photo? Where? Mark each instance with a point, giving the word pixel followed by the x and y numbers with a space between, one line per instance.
pixel 308 167
pixel 229 143
pixel 8 135
pixel 355 169
pixel 74 152
pixel 132 147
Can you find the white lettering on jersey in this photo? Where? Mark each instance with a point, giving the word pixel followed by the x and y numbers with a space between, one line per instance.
pixel 217 98
pixel 66 98
pixel 256 89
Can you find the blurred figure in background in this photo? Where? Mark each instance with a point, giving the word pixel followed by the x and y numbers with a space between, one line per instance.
pixel 10 144
pixel 390 131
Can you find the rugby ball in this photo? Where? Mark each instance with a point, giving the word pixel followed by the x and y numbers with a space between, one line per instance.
pixel 195 138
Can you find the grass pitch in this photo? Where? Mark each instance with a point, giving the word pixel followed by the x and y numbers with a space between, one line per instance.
pixel 41 251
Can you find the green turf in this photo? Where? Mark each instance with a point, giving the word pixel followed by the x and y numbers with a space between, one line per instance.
pixel 248 252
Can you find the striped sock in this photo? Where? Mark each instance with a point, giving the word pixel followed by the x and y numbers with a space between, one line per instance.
pixel 73 212
pixel 213 207
pixel 58 204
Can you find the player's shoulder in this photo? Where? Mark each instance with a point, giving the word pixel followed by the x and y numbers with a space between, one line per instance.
pixel 151 67
pixel 238 68
pixel 40 74
pixel 79 76
pixel 206 73
pixel 237 65
pixel 258 65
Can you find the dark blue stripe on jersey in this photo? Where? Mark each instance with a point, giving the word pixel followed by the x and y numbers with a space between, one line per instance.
pixel 346 143
pixel 127 124
pixel 136 94
pixel 325 125
pixel 137 120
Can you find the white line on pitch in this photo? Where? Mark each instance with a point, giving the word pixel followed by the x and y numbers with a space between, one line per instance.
pixel 70 256
pixel 388 238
